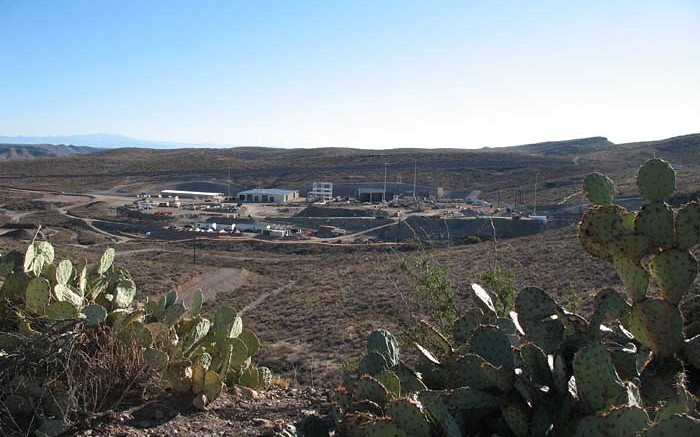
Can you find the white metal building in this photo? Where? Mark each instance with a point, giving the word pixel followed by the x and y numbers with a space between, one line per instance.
pixel 267 195
pixel 191 194
pixel 321 191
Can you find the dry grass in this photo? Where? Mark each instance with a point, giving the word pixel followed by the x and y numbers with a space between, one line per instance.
pixel 70 372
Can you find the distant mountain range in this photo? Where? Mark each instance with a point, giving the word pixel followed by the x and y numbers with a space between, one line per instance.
pixel 33 151
pixel 105 141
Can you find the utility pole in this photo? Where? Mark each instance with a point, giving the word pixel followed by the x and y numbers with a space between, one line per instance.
pixel 534 207
pixel 398 183
pixel 384 192
pixel 228 181
pixel 415 172
pixel 194 249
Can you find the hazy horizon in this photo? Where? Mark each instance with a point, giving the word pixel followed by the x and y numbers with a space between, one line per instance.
pixel 108 141
pixel 361 74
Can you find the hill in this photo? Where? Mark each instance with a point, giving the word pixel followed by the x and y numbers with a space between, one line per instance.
pixel 559 166
pixel 568 147
pixel 10 152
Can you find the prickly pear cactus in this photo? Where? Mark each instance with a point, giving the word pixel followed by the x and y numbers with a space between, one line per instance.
pixel 546 371
pixel 191 353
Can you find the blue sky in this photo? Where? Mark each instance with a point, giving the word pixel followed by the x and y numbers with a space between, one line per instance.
pixel 371 74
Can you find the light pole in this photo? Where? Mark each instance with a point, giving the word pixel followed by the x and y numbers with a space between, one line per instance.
pixel 384 192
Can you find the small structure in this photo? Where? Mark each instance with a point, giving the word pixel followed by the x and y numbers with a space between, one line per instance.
pixel 321 191
pixel 268 195
pixel 192 194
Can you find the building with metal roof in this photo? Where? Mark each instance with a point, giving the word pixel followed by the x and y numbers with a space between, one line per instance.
pixel 267 195
pixel 191 194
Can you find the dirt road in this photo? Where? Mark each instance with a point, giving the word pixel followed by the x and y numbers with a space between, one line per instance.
pixel 223 280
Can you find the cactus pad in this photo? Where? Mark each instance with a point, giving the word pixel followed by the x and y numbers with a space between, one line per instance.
pixel 239 352
pixel 410 381
pixel 409 416
pixel 251 341
pixel 197 301
pixel 37 294
pixel 591 426
pixel 227 324
pixel 492 344
pixel 15 285
pixel 626 421
pixel 688 225
pixel 560 375
pixel 658 325
pixel 517 417
pixel 249 377
pixel 439 413
pixel 372 364
pixel 484 300
pixel 598 385
pixel 383 342
pixel 474 371
pixel 610 306
pixel 106 261
pixel 631 246
pixel 465 325
pixel 540 318
pixel 633 276
pixel 390 381
pixel 68 293
pixel 212 385
pixel 196 334
pixel 655 221
pixel 599 189
pixel 125 293
pixel 679 425
pixel 682 403
pixel 656 180
pixel 599 226
pixel 466 398
pixel 383 428
pixel 368 388
pixel 173 313
pixel 264 378
pixel 64 272
pixel 674 270
pixel 39 254
pixel 533 303
pixel 198 374
pixel 535 365
pixel 61 311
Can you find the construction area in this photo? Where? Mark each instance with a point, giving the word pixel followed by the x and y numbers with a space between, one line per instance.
pixel 365 213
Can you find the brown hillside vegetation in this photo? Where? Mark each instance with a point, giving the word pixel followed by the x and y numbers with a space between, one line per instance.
pixel 560 165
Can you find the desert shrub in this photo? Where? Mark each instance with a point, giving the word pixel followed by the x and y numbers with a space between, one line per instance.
pixel 430 296
pixel 501 284
pixel 74 341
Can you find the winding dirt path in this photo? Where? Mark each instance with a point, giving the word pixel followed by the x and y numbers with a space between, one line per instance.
pixel 260 299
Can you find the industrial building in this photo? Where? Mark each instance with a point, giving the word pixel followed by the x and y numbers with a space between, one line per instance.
pixel 321 192
pixel 192 194
pixel 373 195
pixel 268 195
